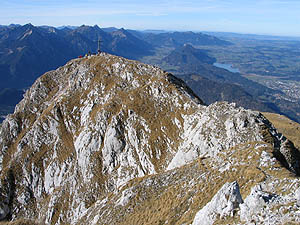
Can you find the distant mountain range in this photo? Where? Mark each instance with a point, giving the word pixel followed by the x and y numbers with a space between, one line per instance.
pixel 126 44
pixel 251 36
pixel 176 39
pixel 190 60
pixel 28 51
pixel 196 68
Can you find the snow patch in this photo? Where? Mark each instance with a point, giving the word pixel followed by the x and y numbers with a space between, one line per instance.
pixel 28 33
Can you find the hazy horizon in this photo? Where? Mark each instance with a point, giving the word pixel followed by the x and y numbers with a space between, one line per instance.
pixel 263 17
pixel 162 30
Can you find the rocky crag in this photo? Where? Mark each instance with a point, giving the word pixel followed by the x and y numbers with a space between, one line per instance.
pixel 106 140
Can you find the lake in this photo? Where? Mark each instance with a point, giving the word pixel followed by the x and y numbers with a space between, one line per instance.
pixel 227 67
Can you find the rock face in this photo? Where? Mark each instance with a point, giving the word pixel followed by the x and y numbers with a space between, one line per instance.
pixel 106 140
pixel 224 203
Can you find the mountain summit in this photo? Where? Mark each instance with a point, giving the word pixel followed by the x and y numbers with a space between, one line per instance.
pixel 187 55
pixel 106 140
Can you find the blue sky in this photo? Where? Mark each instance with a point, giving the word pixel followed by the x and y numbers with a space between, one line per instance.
pixel 276 17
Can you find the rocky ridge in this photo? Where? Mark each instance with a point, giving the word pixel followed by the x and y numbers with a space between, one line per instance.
pixel 106 140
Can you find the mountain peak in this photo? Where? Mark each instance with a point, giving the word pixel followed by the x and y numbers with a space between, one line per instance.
pixel 28 25
pixel 121 33
pixel 108 136
pixel 125 74
pixel 187 55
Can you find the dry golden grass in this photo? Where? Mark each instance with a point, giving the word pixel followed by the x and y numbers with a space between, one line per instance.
pixel 177 201
pixel 287 127
pixel 21 222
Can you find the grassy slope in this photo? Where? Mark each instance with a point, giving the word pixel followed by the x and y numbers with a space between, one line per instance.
pixel 175 196
pixel 287 127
